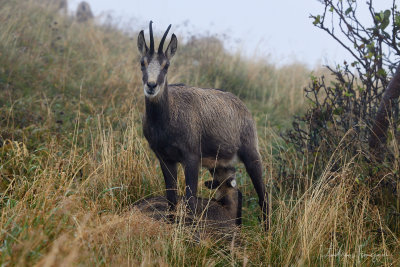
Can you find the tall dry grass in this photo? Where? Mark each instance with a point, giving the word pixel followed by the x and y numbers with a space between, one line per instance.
pixel 73 159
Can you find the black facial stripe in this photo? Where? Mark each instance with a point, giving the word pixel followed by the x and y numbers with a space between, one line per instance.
pixel 161 77
pixel 145 77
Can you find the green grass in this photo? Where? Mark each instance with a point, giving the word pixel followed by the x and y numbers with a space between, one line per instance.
pixel 73 158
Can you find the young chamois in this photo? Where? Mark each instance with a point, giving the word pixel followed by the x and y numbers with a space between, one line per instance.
pixel 222 212
pixel 194 126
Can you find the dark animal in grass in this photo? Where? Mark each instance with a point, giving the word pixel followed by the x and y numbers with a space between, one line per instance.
pixel 222 212
pixel 194 126
pixel 84 12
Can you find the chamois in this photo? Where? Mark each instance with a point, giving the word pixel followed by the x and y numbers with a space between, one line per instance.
pixel 84 12
pixel 194 126
pixel 222 212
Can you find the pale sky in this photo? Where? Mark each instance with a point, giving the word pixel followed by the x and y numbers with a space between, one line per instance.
pixel 279 30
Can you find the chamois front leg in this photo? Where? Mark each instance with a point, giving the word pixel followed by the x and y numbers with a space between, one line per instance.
pixel 169 170
pixel 191 179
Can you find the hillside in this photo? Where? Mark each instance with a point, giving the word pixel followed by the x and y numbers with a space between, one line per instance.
pixel 73 158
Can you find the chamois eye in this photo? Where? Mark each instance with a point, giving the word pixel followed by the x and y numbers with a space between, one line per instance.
pixel 166 65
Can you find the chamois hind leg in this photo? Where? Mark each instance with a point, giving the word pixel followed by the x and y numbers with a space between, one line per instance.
pixel 169 170
pixel 252 161
pixel 192 165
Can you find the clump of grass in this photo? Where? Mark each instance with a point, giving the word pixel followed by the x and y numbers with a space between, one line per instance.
pixel 73 159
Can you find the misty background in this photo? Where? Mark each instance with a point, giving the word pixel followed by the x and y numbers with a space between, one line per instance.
pixel 278 31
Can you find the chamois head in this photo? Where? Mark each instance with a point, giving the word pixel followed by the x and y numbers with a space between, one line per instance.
pixel 84 12
pixel 225 188
pixel 155 64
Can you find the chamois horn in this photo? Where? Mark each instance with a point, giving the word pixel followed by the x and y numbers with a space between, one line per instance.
pixel 151 38
pixel 160 48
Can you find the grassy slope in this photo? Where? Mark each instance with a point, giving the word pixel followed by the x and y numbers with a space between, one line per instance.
pixel 74 158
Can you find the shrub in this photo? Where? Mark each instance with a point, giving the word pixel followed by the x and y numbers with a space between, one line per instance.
pixel 343 110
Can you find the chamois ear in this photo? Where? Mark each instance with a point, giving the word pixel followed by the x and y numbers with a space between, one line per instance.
pixel 232 182
pixel 141 43
pixel 212 184
pixel 171 49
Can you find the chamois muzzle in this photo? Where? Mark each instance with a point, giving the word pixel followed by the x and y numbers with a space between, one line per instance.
pixel 151 87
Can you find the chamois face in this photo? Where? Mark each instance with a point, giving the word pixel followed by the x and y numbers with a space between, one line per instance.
pixel 154 65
